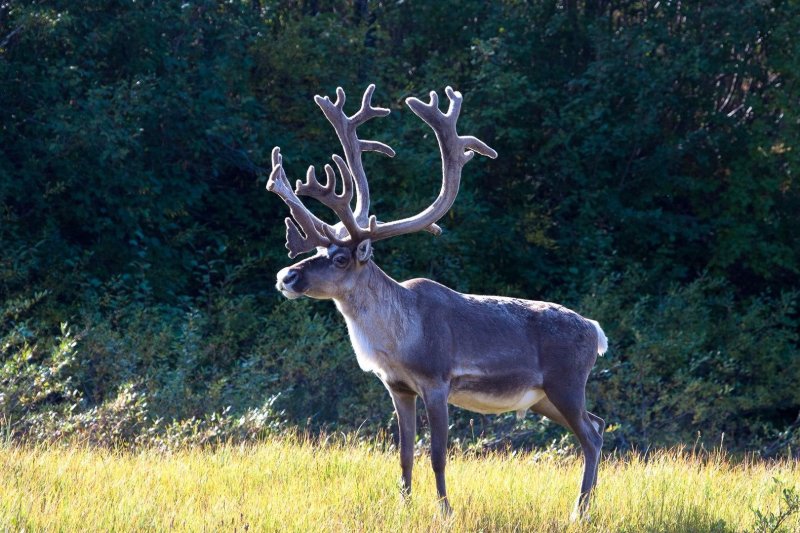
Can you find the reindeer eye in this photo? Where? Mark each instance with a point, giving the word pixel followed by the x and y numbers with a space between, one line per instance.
pixel 340 261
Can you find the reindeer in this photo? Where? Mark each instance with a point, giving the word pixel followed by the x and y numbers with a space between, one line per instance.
pixel 489 354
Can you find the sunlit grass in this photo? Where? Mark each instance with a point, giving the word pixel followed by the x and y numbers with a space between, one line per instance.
pixel 286 485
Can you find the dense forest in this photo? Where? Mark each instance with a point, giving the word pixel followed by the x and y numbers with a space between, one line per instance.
pixel 647 177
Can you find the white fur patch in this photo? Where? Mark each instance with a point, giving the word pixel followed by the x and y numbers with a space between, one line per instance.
pixel 365 354
pixel 602 340
pixel 492 404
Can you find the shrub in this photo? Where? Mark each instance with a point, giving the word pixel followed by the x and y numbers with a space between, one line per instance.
pixel 694 361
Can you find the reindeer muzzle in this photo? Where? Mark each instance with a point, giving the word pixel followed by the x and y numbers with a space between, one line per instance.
pixel 288 283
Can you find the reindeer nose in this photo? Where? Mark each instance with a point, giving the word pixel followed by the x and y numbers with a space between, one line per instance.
pixel 289 282
pixel 290 278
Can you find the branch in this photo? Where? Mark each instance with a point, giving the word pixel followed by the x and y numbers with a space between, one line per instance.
pixel 10 36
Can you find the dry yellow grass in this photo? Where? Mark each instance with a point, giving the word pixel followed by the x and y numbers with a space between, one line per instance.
pixel 285 485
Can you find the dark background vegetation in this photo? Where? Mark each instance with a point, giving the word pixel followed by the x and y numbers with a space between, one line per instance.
pixel 648 178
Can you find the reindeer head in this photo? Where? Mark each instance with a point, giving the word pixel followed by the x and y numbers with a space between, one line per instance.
pixel 344 249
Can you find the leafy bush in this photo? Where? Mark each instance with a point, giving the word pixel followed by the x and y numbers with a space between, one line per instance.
pixel 693 362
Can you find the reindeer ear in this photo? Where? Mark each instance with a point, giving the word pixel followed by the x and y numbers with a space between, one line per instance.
pixel 364 251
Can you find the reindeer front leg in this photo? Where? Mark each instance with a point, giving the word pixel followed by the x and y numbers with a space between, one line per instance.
pixel 436 407
pixel 405 405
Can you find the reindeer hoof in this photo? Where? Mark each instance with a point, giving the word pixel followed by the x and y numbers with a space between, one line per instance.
pixel 445 509
pixel 580 513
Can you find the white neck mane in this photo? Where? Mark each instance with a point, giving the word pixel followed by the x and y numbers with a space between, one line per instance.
pixel 375 318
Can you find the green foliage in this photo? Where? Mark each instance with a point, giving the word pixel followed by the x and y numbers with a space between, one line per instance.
pixel 694 362
pixel 770 522
pixel 647 159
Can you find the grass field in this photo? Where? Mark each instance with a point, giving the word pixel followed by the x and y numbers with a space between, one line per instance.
pixel 286 485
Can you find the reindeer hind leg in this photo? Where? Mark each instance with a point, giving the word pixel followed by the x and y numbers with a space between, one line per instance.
pixel 569 402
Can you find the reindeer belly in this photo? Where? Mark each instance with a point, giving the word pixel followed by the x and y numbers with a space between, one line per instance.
pixel 486 402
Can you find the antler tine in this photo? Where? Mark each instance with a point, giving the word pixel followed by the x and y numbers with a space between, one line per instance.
pixel 444 124
pixel 340 98
pixel 367 111
pixel 338 203
pixel 456 151
pixel 313 229
pixel 455 98
pixel 353 146
pixel 472 143
pixel 312 187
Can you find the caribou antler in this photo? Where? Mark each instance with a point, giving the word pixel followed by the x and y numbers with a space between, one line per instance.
pixel 456 150
pixel 338 203
pixel 353 146
pixel 314 230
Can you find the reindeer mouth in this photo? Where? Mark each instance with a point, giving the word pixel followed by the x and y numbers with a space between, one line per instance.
pixel 291 295
pixel 288 292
